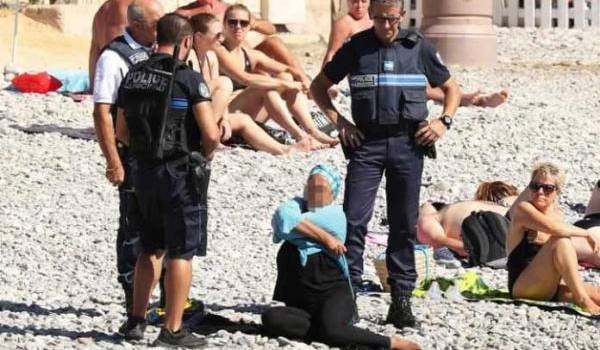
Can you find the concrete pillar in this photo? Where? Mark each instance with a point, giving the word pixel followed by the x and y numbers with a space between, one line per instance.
pixel 461 30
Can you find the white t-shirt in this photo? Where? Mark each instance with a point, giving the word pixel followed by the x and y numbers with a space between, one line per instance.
pixel 111 68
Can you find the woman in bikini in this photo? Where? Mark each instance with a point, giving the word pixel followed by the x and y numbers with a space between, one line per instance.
pixel 208 34
pixel 288 106
pixel 546 268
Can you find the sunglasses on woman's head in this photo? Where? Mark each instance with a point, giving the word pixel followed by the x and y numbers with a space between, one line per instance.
pixel 235 22
pixel 545 187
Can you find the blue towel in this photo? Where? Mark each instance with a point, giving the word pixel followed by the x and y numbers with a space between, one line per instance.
pixel 330 218
pixel 72 80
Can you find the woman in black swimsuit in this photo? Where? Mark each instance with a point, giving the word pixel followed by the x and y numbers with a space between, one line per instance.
pixel 288 107
pixel 546 269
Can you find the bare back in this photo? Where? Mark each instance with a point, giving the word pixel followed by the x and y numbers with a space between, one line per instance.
pixel 454 214
pixel 109 22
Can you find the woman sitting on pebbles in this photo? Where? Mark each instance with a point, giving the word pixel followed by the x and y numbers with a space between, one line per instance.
pixel 208 34
pixel 312 273
pixel 285 98
pixel 546 269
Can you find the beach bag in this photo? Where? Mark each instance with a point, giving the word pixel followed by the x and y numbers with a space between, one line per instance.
pixel 40 83
pixel 484 236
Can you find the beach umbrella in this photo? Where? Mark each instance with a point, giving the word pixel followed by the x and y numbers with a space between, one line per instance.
pixel 14 39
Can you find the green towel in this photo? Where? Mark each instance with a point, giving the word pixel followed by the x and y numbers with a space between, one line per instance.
pixel 472 287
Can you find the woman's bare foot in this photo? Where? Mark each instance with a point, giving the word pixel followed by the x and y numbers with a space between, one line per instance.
pixel 469 99
pixel 590 307
pixel 398 343
pixel 492 100
pixel 307 144
pixel 323 138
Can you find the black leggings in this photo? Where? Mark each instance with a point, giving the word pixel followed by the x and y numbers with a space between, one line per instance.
pixel 332 324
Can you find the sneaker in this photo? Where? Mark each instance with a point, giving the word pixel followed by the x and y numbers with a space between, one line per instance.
pixel 133 328
pixel 444 256
pixel 400 313
pixel 183 338
pixel 366 286
pixel 156 315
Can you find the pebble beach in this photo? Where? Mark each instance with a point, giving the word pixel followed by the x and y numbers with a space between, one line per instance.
pixel 59 215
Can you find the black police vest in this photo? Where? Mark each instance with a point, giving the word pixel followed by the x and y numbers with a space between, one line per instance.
pixel 388 84
pixel 129 55
pixel 145 88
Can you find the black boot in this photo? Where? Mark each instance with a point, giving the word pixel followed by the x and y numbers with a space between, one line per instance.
pixel 400 312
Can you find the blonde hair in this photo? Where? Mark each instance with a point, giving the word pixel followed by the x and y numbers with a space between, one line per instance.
pixel 551 170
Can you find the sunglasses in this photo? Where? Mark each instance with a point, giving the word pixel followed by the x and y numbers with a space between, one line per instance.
pixel 535 187
pixel 391 20
pixel 235 22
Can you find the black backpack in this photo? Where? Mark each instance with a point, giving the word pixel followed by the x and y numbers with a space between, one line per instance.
pixel 484 236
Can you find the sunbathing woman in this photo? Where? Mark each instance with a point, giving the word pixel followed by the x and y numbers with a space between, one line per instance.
pixel 547 271
pixel 208 33
pixel 283 105
pixel 312 273
pixel 440 224
pixel 358 20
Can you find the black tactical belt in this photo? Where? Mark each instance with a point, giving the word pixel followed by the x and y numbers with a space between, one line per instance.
pixel 383 131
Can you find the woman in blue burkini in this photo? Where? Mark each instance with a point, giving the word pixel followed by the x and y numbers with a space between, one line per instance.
pixel 312 273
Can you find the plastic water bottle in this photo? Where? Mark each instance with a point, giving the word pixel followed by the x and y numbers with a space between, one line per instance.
pixel 434 291
pixel 453 293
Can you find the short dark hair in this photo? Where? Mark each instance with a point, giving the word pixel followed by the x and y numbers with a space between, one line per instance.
pixel 172 28
pixel 201 21
pixel 389 3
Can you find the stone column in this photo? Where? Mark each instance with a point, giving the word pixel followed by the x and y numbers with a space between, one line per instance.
pixel 461 30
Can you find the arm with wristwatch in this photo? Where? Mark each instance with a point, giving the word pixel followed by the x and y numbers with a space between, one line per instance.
pixel 429 132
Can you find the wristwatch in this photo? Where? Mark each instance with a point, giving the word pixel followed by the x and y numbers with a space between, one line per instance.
pixel 446 120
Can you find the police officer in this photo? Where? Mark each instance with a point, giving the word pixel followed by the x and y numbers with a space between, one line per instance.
pixel 166 116
pixel 388 70
pixel 130 48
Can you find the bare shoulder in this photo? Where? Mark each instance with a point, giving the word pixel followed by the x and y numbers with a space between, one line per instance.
pixel 344 24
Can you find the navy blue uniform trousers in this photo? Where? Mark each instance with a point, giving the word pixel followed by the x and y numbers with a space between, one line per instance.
pixel 398 156
pixel 130 221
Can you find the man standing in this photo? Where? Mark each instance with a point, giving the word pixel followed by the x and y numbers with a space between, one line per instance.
pixel 114 62
pixel 388 72
pixel 165 114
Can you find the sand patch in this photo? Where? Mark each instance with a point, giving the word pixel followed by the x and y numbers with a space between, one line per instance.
pixel 40 46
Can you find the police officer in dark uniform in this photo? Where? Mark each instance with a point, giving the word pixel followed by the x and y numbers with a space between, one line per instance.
pixel 388 70
pixel 113 64
pixel 166 116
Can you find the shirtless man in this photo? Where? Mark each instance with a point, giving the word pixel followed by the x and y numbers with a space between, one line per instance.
pixel 271 45
pixel 440 225
pixel 109 22
pixel 357 19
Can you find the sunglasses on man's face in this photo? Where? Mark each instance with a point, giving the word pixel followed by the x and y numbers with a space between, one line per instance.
pixel 548 189
pixel 235 22
pixel 391 20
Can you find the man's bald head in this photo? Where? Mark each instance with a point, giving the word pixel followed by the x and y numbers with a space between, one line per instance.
pixel 142 16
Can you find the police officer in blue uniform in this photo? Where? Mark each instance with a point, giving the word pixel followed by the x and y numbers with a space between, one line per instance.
pixel 388 69
pixel 166 116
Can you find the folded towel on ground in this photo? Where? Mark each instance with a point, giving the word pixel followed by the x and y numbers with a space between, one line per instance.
pixel 472 287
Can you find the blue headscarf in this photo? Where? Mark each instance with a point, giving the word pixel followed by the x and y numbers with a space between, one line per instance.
pixel 333 178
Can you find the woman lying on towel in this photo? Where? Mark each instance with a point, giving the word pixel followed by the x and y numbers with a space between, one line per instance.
pixel 440 224
pixel 547 268
pixel 312 273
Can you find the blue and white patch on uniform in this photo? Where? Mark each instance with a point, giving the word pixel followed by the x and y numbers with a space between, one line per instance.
pixel 388 66
pixel 439 57
pixel 372 80
pixel 203 90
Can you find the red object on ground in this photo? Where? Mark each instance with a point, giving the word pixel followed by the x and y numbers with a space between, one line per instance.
pixel 40 83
